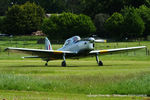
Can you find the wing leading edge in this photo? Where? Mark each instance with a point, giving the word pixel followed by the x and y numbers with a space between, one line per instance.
pixel 39 53
pixel 118 50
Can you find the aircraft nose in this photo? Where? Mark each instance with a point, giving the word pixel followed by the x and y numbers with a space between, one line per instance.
pixel 91 46
pixel 91 40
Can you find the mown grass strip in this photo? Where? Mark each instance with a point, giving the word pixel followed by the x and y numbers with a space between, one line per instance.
pixel 31 95
pixel 135 85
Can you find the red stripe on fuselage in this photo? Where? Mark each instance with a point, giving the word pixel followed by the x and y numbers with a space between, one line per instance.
pixel 49 47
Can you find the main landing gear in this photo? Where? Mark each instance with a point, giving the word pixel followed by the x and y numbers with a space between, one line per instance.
pixel 46 64
pixel 100 63
pixel 63 64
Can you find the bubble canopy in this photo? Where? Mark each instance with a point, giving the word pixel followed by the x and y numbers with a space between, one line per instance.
pixel 72 40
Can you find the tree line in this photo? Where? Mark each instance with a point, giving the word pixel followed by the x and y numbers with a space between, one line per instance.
pixel 29 17
pixel 118 19
pixel 87 7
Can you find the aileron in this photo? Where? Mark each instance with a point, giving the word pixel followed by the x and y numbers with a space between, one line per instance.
pixel 117 50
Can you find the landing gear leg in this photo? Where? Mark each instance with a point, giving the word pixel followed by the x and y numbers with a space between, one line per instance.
pixel 63 64
pixel 100 63
pixel 46 64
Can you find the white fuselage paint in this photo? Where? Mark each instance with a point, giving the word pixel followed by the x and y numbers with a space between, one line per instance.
pixel 78 47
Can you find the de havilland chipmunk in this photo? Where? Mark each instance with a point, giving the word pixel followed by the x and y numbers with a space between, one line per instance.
pixel 74 47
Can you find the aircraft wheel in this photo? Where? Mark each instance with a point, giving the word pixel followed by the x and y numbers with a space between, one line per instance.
pixel 46 64
pixel 100 63
pixel 63 64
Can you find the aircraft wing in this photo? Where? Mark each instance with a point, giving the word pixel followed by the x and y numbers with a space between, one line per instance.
pixel 118 50
pixel 39 53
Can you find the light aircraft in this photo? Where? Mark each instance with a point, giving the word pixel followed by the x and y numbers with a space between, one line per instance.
pixel 74 47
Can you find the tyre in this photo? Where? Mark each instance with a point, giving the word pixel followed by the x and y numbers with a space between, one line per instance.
pixel 63 64
pixel 100 63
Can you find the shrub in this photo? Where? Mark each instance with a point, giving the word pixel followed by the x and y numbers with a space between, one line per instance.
pixel 113 25
pixel 127 25
pixel 23 19
pixel 66 25
pixel 145 15
pixel 133 25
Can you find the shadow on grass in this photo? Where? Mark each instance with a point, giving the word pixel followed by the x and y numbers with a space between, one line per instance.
pixel 70 65
pixel 35 66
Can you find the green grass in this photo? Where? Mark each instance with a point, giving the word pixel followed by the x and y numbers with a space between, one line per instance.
pixel 76 81
pixel 91 79
pixel 24 79
pixel 135 85
pixel 31 95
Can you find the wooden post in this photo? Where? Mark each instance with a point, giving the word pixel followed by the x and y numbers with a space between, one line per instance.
pixel 127 51
pixel 146 51
pixel 134 53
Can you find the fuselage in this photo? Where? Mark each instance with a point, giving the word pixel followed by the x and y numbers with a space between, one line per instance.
pixel 79 46
pixel 76 45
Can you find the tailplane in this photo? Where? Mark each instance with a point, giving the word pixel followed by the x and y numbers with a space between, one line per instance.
pixel 48 45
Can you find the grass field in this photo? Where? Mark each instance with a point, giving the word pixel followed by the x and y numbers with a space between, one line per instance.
pixel 126 74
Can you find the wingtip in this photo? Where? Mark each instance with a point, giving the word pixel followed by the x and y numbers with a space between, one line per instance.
pixel 143 46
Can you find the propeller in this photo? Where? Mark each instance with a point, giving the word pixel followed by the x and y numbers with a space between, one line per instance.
pixel 92 40
pixel 101 40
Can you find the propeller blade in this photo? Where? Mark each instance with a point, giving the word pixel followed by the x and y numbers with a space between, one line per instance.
pixel 92 40
pixel 100 41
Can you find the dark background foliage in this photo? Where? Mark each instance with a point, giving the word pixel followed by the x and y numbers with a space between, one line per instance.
pixel 135 16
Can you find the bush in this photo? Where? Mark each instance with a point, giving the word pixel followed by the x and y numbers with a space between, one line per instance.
pixel 113 25
pixel 127 25
pixel 66 25
pixel 133 25
pixel 23 19
pixel 145 15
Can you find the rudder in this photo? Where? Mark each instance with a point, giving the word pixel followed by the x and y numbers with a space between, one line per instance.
pixel 48 45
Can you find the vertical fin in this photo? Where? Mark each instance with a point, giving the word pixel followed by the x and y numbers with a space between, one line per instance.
pixel 48 45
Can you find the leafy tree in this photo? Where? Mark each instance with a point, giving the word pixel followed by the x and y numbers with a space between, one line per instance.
pixel 88 7
pixel 136 3
pixel 133 25
pixel 114 25
pixel 92 7
pixel 67 24
pixel 75 6
pixel 111 6
pixel 50 27
pixel 1 23
pixel 99 21
pixel 145 15
pixel 3 7
pixel 23 19
pixel 52 6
